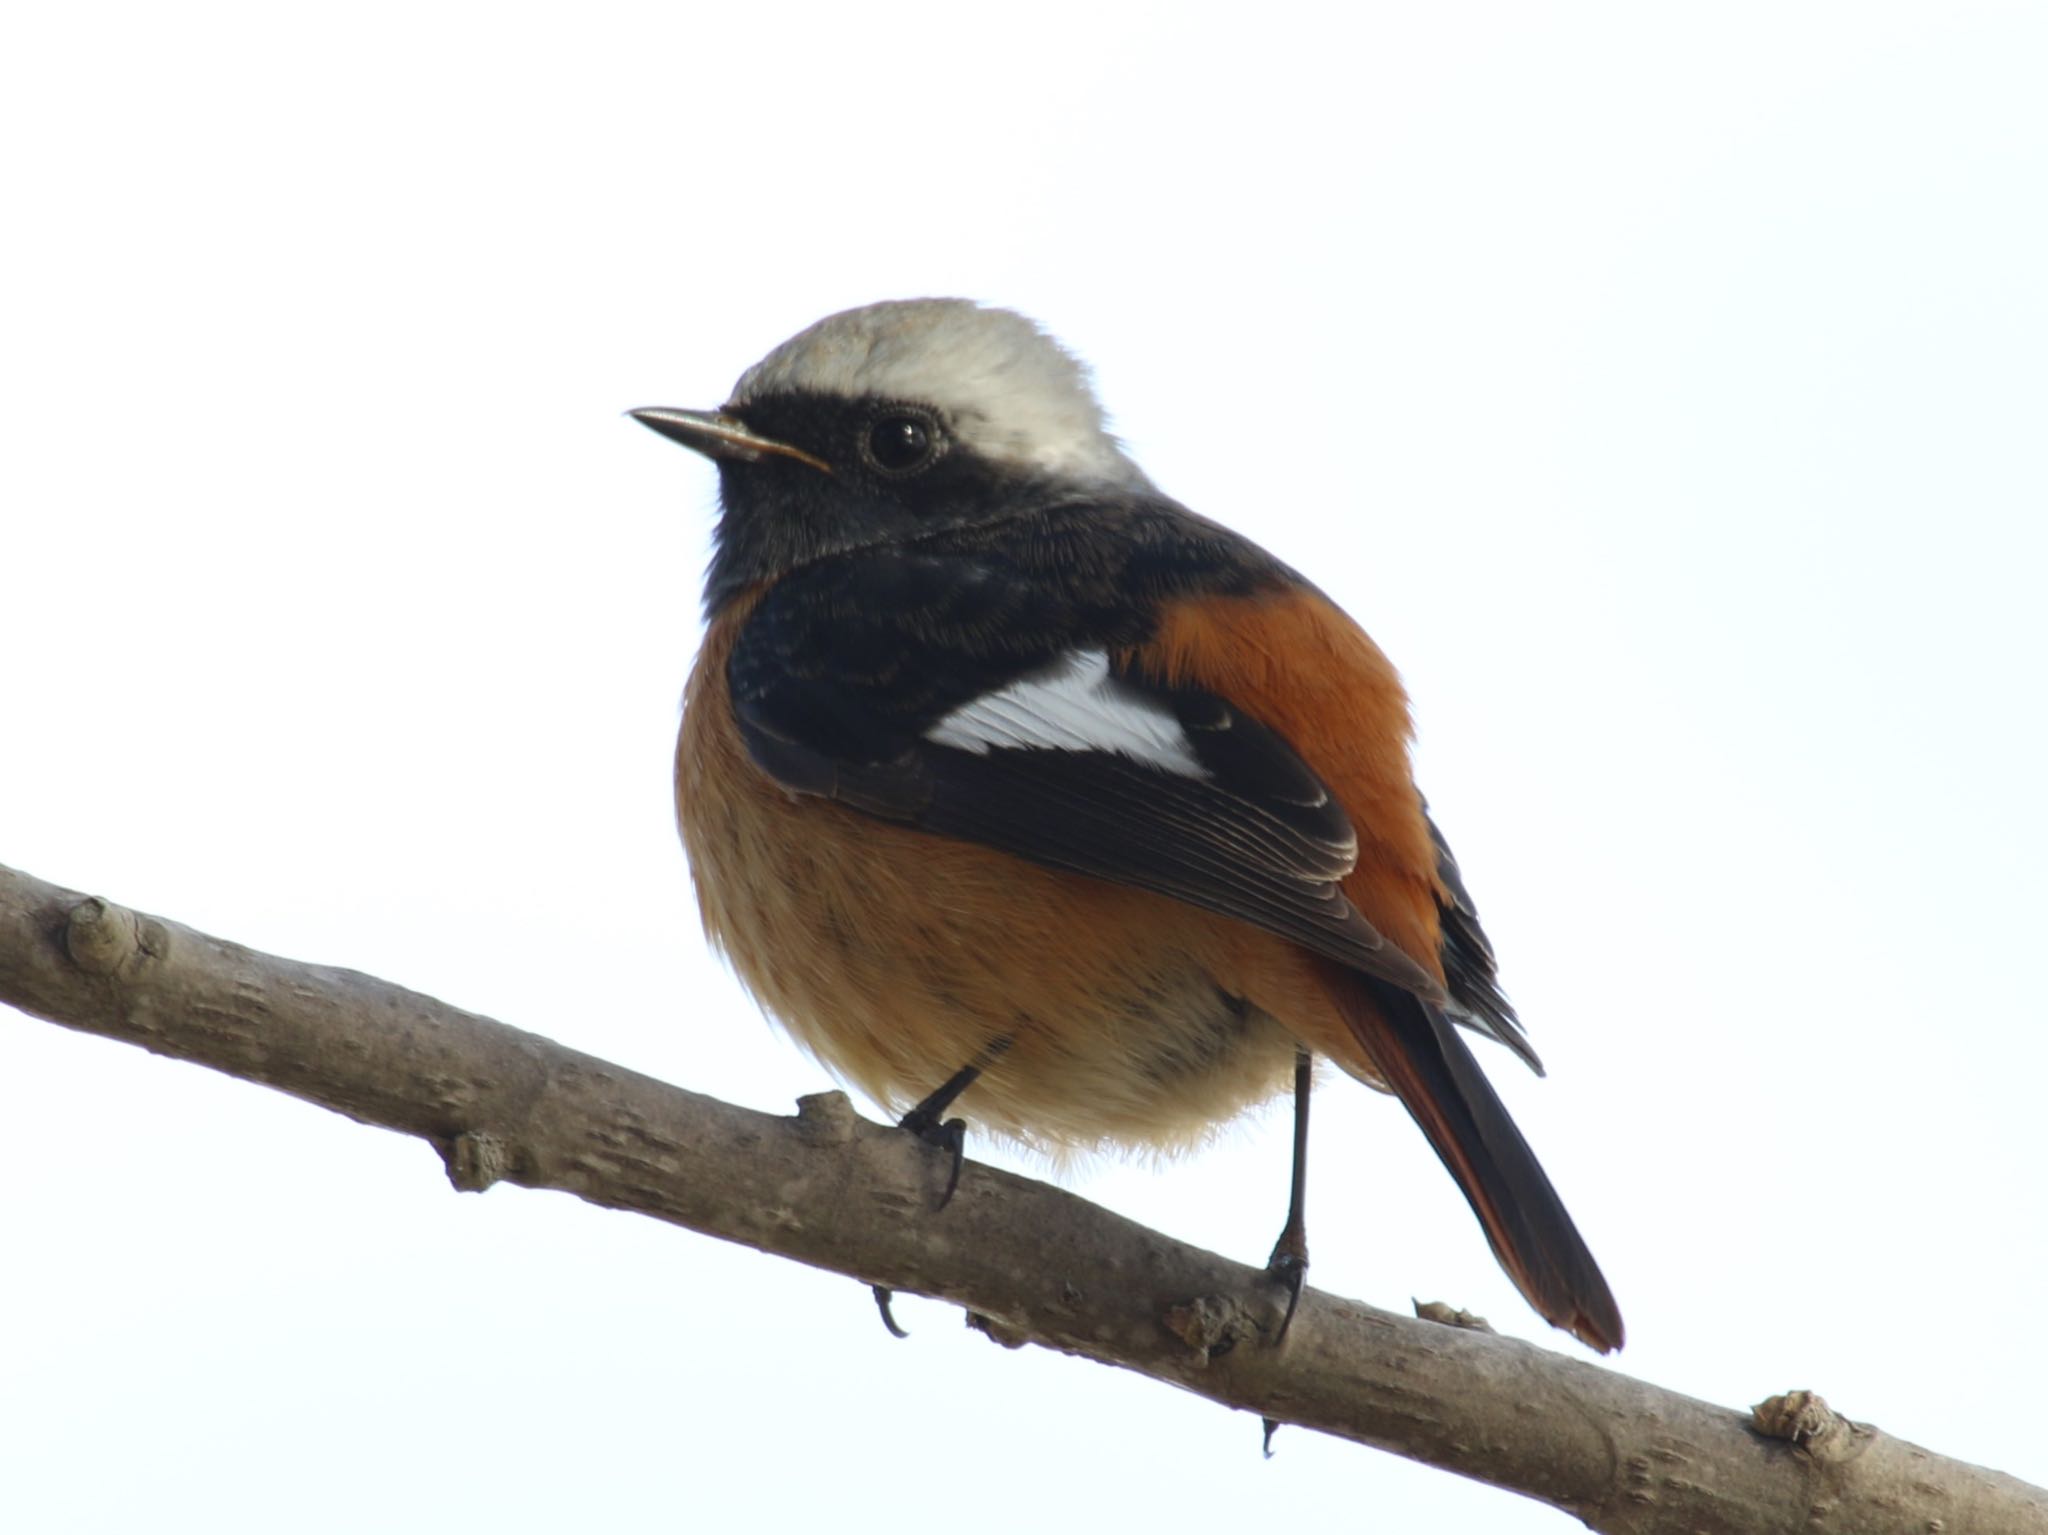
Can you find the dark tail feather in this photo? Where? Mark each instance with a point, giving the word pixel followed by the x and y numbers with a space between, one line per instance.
pixel 1423 1060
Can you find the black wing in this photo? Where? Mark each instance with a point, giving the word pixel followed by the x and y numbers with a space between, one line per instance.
pixel 1476 996
pixel 884 686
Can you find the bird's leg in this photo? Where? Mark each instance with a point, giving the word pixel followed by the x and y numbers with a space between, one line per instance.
pixel 1289 1263
pixel 929 1124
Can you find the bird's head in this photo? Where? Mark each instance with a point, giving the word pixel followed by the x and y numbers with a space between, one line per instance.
pixel 890 423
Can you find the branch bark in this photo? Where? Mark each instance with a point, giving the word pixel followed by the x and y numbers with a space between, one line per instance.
pixel 1033 1263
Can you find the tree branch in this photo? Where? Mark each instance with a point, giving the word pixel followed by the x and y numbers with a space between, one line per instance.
pixel 1031 1262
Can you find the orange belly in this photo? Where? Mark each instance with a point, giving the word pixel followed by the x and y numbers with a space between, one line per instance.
pixel 1105 1015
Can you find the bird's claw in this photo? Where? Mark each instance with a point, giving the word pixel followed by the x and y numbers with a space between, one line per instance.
pixel 950 1136
pixel 1290 1271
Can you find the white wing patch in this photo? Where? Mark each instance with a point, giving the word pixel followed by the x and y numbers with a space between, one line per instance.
pixel 1073 705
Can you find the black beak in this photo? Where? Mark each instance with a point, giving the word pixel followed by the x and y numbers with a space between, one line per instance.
pixel 719 436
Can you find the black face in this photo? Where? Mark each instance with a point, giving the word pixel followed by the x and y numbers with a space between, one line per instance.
pixel 899 473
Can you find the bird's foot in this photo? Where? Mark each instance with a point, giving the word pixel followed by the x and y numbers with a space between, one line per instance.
pixel 1288 1268
pixel 949 1135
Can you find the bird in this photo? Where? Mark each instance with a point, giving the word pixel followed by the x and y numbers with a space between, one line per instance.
pixel 1008 782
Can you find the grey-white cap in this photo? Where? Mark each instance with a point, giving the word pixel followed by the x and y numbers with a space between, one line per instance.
pixel 1011 392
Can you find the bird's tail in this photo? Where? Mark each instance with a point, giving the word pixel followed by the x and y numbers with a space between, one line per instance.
pixel 1418 1053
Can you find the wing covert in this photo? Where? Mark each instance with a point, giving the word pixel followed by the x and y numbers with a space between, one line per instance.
pixel 1076 767
pixel 983 685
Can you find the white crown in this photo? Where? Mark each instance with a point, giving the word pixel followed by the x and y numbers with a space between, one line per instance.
pixel 1012 393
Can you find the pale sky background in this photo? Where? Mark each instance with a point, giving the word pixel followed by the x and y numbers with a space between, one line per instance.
pixel 1664 388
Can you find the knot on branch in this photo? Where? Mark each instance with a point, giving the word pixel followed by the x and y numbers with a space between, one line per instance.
pixel 1804 1420
pixel 996 1332
pixel 1213 1325
pixel 1449 1316
pixel 105 939
pixel 827 1119
pixel 476 1159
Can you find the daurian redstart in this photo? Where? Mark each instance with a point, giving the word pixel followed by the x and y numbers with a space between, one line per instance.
pixel 1006 779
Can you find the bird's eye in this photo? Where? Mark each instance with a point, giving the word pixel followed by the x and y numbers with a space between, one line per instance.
pixel 901 443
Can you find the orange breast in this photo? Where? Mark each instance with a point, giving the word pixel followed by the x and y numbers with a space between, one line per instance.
pixel 898 957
